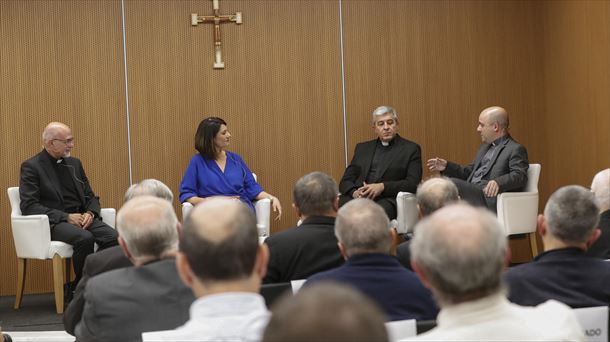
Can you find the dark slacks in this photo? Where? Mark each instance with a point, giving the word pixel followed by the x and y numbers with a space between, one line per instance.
pixel 474 195
pixel 388 204
pixel 82 240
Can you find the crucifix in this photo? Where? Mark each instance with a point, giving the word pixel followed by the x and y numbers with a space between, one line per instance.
pixel 217 19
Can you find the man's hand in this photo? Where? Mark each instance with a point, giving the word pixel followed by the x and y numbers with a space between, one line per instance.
pixel 371 190
pixel 491 189
pixel 436 164
pixel 87 220
pixel 75 219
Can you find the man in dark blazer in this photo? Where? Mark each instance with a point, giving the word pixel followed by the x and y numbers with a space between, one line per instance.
pixel 601 188
pixel 311 247
pixel 500 164
pixel 564 272
pixel 111 258
pixel 122 303
pixel 54 183
pixel 383 167
pixel 365 238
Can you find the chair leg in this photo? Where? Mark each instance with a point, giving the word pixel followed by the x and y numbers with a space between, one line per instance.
pixel 21 264
pixel 58 282
pixel 533 244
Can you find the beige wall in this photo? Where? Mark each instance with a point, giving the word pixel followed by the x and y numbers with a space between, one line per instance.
pixel 438 62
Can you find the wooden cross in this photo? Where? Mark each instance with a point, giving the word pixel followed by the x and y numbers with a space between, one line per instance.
pixel 217 19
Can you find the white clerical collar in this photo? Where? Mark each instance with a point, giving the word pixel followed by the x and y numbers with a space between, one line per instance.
pixel 385 143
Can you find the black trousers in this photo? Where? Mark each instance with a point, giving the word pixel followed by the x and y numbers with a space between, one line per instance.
pixel 388 204
pixel 474 195
pixel 82 240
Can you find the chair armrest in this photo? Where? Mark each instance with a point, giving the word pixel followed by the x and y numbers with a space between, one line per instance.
pixel 517 212
pixel 109 216
pixel 263 214
pixel 406 212
pixel 186 209
pixel 32 235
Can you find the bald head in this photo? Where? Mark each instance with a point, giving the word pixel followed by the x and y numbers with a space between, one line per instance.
pixel 461 251
pixel 601 188
pixel 148 226
pixel 497 115
pixel 436 193
pixel 493 124
pixel 220 240
pixel 57 139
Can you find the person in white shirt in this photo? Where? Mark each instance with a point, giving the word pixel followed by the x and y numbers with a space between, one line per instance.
pixel 460 252
pixel 221 260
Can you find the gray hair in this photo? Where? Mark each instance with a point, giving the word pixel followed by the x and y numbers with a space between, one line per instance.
pixel 362 226
pixel 148 226
pixel 461 251
pixel 571 214
pixel 436 193
pixel 51 129
pixel 151 187
pixel 383 110
pixel 315 193
pixel 601 188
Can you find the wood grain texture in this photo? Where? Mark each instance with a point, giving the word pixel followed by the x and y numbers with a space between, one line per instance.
pixel 60 61
pixel 280 92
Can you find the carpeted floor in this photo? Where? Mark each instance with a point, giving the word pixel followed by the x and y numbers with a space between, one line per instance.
pixel 37 313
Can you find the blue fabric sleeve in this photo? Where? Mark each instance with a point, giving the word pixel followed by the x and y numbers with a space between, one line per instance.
pixel 252 188
pixel 188 186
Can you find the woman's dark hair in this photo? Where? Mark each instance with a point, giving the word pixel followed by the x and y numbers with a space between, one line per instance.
pixel 204 138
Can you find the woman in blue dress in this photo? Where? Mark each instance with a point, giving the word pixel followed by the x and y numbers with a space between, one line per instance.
pixel 214 171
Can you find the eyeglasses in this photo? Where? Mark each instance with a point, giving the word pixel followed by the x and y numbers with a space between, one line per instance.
pixel 65 141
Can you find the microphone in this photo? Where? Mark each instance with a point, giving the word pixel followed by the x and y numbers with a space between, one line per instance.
pixel 73 173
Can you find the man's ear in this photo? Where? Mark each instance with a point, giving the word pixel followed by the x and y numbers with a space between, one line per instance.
pixel 123 246
pixel 595 234
pixel 342 250
pixel 262 259
pixel 179 229
pixel 507 257
pixel 184 269
pixel 393 240
pixel 296 210
pixel 541 225
pixel 420 211
pixel 336 204
pixel 420 273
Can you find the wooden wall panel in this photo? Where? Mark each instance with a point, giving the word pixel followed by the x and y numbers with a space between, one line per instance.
pixel 60 61
pixel 280 92
pixel 577 84
pixel 439 63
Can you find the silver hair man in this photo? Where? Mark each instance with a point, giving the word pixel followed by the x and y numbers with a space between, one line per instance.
pixel 151 187
pixel 362 226
pixel 315 194
pixel 148 228
pixel 601 188
pixel 571 214
pixel 435 193
pixel 460 251
pixel 383 110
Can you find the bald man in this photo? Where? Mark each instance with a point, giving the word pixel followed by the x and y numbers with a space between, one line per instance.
pixel 500 165
pixel 601 189
pixel 54 183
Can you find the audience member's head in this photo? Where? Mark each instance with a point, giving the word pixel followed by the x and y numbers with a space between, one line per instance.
pixel 459 252
pixel 148 229
pixel 219 248
pixel 150 187
pixel 601 188
pixel 570 218
pixel 316 194
pixel 362 226
pixel 326 312
pixel 436 193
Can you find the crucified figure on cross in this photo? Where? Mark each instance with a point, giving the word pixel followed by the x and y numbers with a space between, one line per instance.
pixel 217 19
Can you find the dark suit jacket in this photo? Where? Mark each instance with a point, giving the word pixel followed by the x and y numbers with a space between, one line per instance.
pixel 40 188
pixel 105 260
pixel 566 275
pixel 403 173
pixel 396 290
pixel 123 303
pixel 601 247
pixel 302 251
pixel 508 168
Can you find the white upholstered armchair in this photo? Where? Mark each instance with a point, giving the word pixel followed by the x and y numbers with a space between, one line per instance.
pixel 32 237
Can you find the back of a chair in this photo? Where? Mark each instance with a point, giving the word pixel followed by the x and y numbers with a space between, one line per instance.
pixel 400 330
pixel 594 322
pixel 407 214
pixel 271 292
pixel 297 284
pixel 13 196
pixel 533 174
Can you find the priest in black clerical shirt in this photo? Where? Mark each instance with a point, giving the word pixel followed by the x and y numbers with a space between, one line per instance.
pixel 383 167
pixel 54 183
